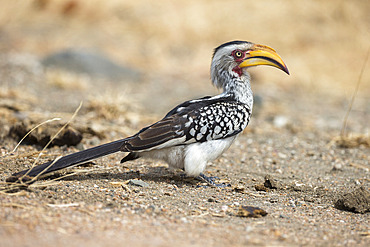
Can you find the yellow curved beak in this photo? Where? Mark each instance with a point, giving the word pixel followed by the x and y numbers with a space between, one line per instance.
pixel 263 55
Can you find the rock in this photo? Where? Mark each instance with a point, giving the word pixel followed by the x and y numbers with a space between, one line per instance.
pixel 20 70
pixel 240 189
pixel 261 187
pixel 253 212
pixel 211 200
pixel 139 183
pixel 271 183
pixel 357 201
pixel 42 135
pixel 280 121
pixel 337 167
pixel 90 63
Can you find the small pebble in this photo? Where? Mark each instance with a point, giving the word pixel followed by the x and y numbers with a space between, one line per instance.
pixel 273 200
pixel 280 121
pixel 292 203
pixel 337 167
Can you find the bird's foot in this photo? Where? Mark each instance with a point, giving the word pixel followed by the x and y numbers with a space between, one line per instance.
pixel 211 181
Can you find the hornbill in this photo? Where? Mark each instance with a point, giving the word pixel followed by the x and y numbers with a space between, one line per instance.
pixel 194 132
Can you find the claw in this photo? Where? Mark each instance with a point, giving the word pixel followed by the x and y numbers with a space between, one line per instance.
pixel 211 181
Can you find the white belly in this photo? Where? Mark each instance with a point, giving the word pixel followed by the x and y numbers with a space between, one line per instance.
pixel 193 158
pixel 198 155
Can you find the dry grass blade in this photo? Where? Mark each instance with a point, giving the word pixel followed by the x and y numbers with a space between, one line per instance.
pixel 345 120
pixel 7 191
pixel 6 188
pixel 51 140
pixel 54 181
pixel 68 205
pixel 47 121
pixel 29 132
pixel 76 172
pixel 14 186
pixel 359 166
pixel 352 141
pixel 14 205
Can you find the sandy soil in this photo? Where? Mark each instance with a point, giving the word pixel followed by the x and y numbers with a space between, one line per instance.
pixel 100 205
pixel 288 162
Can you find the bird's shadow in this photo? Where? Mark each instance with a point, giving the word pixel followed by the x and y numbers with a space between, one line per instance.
pixel 155 174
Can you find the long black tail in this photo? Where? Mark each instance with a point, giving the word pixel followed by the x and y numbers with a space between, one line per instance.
pixel 67 161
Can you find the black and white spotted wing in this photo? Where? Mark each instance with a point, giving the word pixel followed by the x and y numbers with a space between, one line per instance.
pixel 219 120
pixel 193 121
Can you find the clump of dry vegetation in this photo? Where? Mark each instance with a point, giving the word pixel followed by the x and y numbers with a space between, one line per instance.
pixel 66 80
pixel 119 107
pixel 352 141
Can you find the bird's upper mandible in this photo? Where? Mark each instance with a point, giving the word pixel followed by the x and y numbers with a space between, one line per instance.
pixel 231 59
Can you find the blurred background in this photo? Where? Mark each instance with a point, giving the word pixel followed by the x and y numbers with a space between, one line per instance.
pixel 130 62
pixel 164 49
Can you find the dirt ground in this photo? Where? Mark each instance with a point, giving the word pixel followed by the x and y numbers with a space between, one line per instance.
pixel 290 161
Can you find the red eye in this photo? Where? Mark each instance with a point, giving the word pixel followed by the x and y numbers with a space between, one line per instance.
pixel 238 54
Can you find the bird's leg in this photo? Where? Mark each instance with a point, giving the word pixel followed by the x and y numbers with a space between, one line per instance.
pixel 211 181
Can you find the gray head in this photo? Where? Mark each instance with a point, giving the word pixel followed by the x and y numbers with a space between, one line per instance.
pixel 231 60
